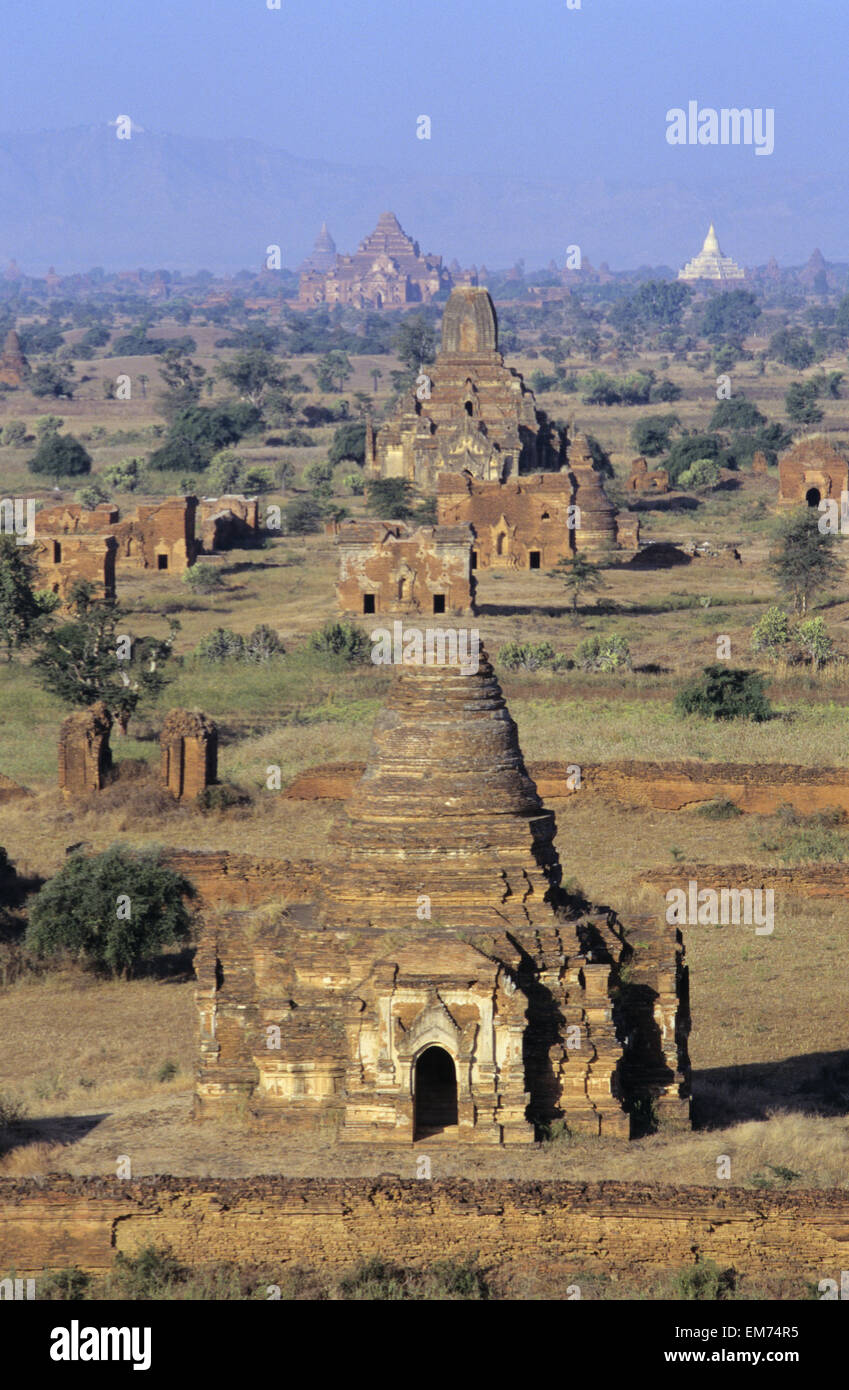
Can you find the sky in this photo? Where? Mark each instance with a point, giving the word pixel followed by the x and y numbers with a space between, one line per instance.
pixel 534 90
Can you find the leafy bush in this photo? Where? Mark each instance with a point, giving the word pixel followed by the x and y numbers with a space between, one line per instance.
pixel 349 442
pixel 151 1273
pixel 15 433
pixel 597 653
pixel 771 633
pixel 704 1282
pixel 221 644
pixel 77 910
pixel 527 656
pixel 257 480
pixel 719 809
pixel 203 579
pixel 221 796
pixel 340 639
pixel 60 456
pixel 303 517
pixel 167 1071
pixel 262 644
pixel 125 476
pixel 701 473
pixel 723 692
pixel 814 642
pixel 65 1285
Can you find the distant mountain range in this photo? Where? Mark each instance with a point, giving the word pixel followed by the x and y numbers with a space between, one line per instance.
pixel 82 198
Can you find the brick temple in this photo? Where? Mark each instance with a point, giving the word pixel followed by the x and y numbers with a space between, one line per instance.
pixel 386 270
pixel 439 981
pixel 471 414
pixel 394 567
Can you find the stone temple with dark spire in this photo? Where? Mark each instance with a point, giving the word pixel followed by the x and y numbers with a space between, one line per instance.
pixel 435 978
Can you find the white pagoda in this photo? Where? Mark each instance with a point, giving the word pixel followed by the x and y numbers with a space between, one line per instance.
pixel 710 264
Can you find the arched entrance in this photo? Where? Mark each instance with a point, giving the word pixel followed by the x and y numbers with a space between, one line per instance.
pixel 434 1092
pixel 812 497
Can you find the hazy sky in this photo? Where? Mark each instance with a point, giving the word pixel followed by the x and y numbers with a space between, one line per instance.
pixel 519 88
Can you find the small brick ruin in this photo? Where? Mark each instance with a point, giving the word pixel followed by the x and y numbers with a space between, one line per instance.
pixel 471 413
pixel 189 753
pixel 440 981
pixel 14 367
pixel 392 567
pixel 810 471
pixel 645 479
pixel 84 753
pixel 73 542
pixel 228 521
pixel 529 522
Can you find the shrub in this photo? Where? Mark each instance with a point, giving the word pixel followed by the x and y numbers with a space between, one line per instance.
pixel 302 517
pixel 720 809
pixel 221 644
pixel 13 1112
pixel 65 1285
pixel 60 456
pixel 91 496
pixel 77 910
pixel 704 1282
pixel 262 645
pixel 125 476
pixel 221 796
pixel 598 653
pixel 701 473
pixel 723 692
pixel 167 1071
pixel 771 633
pixel 151 1273
pixel 225 470
pixel 15 433
pixel 814 642
pixel 340 639
pixel 527 656
pixel 257 480
pixel 203 579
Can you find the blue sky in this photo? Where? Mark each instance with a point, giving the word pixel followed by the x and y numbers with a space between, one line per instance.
pixel 538 92
pixel 509 88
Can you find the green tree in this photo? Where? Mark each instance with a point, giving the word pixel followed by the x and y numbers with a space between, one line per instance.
pixel 690 449
pixel 332 370
pixel 723 692
pixel 82 660
pixel 390 498
pixel 110 911
pixel 60 456
pixel 254 375
pixel 800 402
pixel 771 633
pixel 23 611
pixel 15 433
pixel 302 517
pixel 415 342
pixel 814 642
pixel 183 380
pixel 731 314
pixel 50 380
pixel 349 442
pixel 579 576
pixel 804 560
pixel 650 436
pixel 701 473
pixel 792 347
pixel 736 414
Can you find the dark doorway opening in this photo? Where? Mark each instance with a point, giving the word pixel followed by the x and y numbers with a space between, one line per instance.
pixel 812 497
pixel 534 557
pixel 470 410
pixel 368 603
pixel 435 1092
pixel 162 562
pixel 57 553
pixel 474 559
pixel 439 603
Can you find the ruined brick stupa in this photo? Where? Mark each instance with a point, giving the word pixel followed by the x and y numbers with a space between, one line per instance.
pixel 442 982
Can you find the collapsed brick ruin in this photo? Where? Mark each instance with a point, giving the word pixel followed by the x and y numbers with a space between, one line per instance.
pixel 14 367
pixel 227 521
pixel 810 471
pixel 84 754
pixel 441 981
pixel 645 479
pixel 391 567
pixel 470 413
pixel 73 542
pixel 189 753
pixel 533 521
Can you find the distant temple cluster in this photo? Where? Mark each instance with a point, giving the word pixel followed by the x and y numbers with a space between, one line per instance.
pixel 387 270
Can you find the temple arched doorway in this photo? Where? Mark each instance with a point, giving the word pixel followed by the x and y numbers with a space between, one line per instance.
pixel 434 1092
pixel 812 497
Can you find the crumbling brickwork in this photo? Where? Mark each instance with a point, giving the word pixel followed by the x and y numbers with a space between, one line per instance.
pixel 84 753
pixel 227 521
pixel 810 471
pixel 71 540
pixel 645 479
pixel 440 980
pixel 391 568
pixel 189 753
pixel 533 521
pixel 14 367
pixel 470 413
